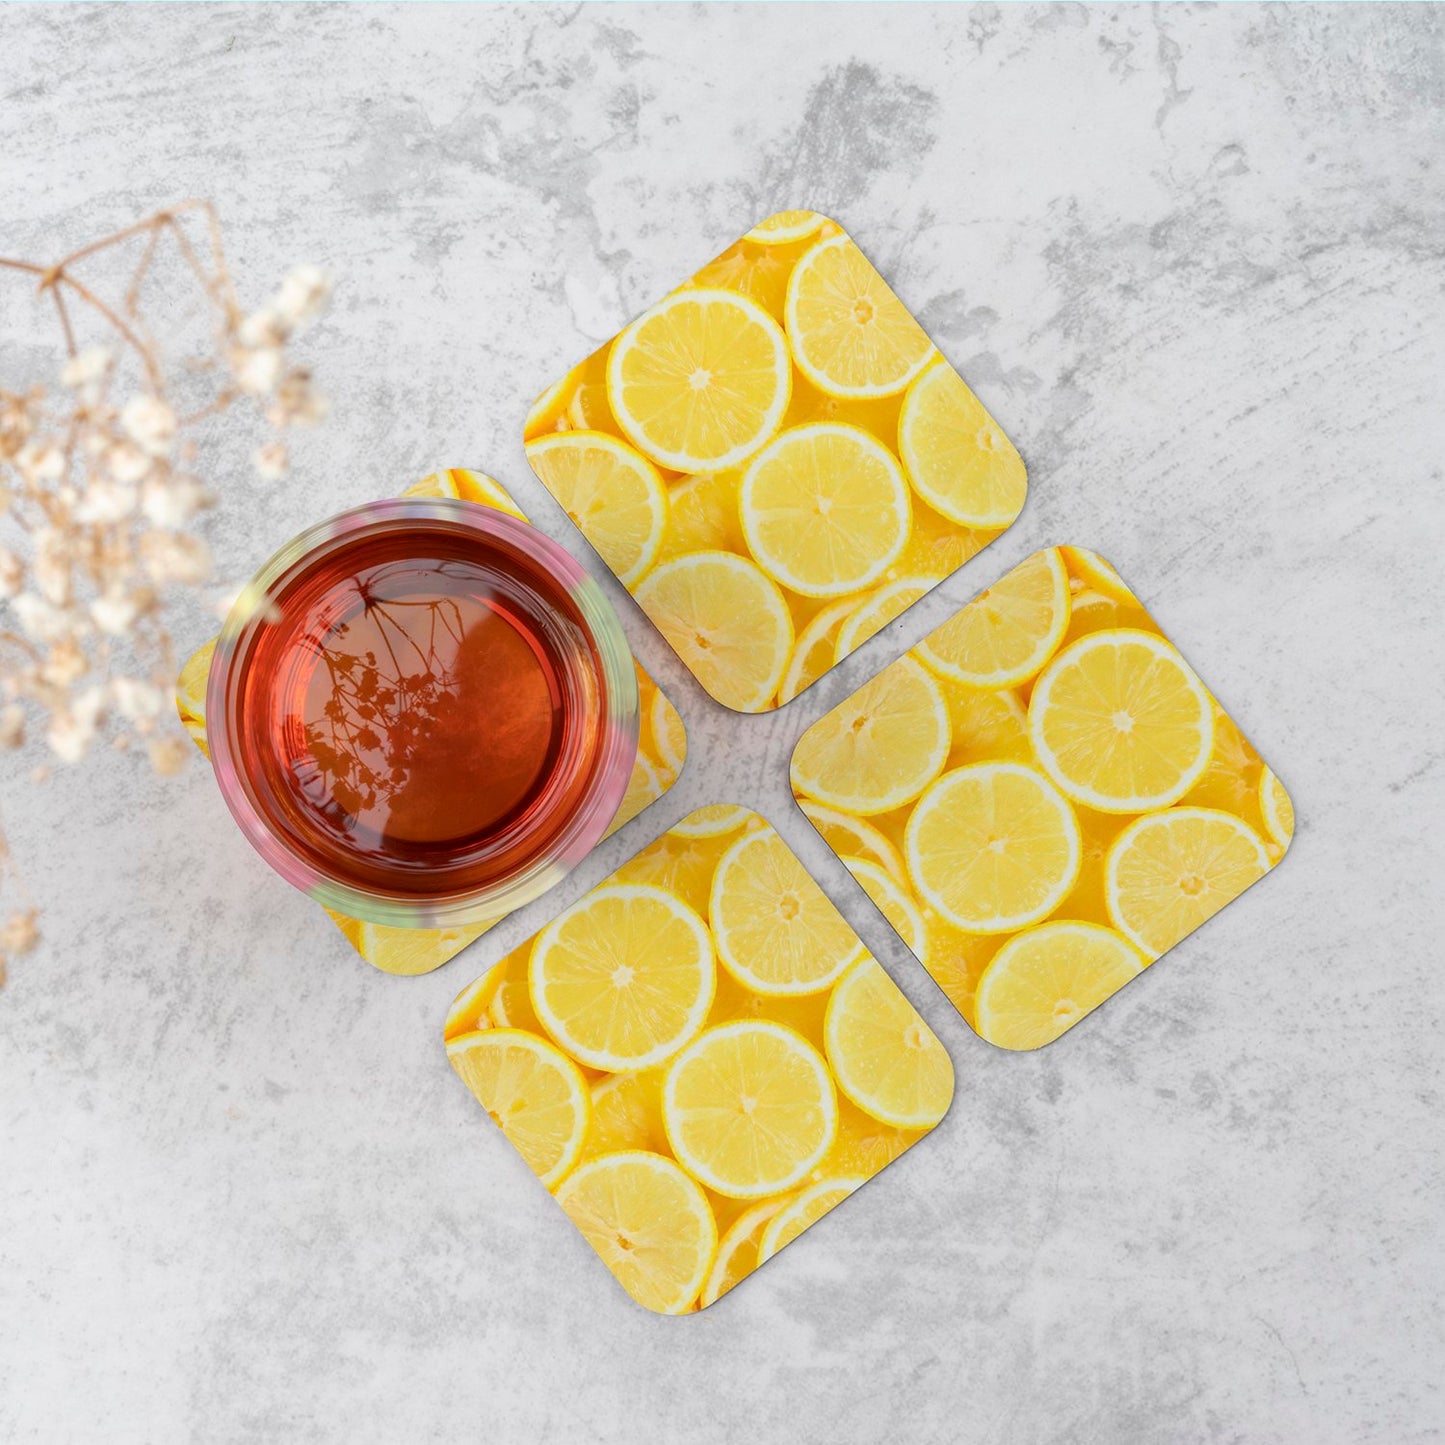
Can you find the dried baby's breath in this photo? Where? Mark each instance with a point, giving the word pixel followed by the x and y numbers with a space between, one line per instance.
pixel 100 488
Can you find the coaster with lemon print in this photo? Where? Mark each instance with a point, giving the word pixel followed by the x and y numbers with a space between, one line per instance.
pixel 699 1059
pixel 662 748
pixel 1042 797
pixel 775 461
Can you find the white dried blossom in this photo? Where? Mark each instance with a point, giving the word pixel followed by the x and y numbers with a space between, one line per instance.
pixel 298 403
pixel 303 294
pixel 175 557
pixel 12 725
pixel 105 501
pixel 87 370
pixel 73 728
pixel 12 574
pixel 272 461
pixel 136 700
pixel 41 461
pixel 263 328
pixel 167 754
pixel 257 371
pixel 127 462
pixel 115 613
pixel 150 424
pixel 51 569
pixel 64 665
pixel 43 620
pixel 173 501
pixel 20 934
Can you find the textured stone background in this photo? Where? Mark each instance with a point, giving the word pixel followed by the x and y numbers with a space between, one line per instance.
pixel 1192 259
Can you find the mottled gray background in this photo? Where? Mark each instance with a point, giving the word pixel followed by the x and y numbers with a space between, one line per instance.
pixel 1192 259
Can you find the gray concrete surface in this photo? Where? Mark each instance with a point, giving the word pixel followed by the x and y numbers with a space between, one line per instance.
pixel 1192 258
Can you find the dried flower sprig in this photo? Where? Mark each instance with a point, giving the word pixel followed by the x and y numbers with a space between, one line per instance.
pixel 100 487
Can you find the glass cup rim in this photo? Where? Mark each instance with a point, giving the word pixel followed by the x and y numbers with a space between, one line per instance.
pixel 578 834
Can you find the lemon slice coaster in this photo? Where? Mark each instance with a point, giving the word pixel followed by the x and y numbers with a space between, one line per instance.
pixel 750 1109
pixel 880 748
pixel 650 1223
pixel 700 381
pixel 1044 980
pixel 727 621
pixel 614 495
pixel 535 1094
pixel 1121 723
pixel 776 931
pixel 1168 872
pixel 624 978
pixel 956 456
pixel 803 1212
pixel 825 509
pixel 883 1055
pixel 850 335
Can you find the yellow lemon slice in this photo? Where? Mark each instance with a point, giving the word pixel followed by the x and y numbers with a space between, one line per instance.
pixel 1005 635
pixel 667 733
pixel 469 486
pixel 956 456
pixel 804 1211
pixel 776 931
pixel 736 1003
pixel 1276 808
pixel 956 960
pixel 644 788
pixel 1044 980
pixel 471 1009
pixel 784 227
pixel 549 411
pixel 986 724
pixel 851 336
pixel 879 748
pixel 650 1223
pixel 588 408
pixel 864 1145
pixel 902 913
pixel 759 272
pixel 406 952
pixel 613 495
pixel 749 1109
pixel 682 865
pixel 1231 782
pixel 852 837
pixel 714 820
pixel 815 650
pixel 1094 572
pixel 624 978
pixel 1121 723
pixel 701 381
pixel 727 621
pixel 703 515
pixel 825 509
pixel 938 547
pixel 626 1114
pixel 1091 611
pixel 535 1094
pixel 875 612
pixel 191 694
pixel 993 847
pixel 737 1251
pixel 512 1002
pixel 884 1056
pixel 1168 872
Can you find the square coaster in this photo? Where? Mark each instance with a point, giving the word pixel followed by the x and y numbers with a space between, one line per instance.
pixel 662 749
pixel 775 460
pixel 1042 797
pixel 699 1059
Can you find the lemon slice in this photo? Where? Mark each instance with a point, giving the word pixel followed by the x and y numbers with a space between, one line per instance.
pixel 803 1212
pixel 852 837
pixel 815 650
pixel 1091 611
pixel 864 1146
pixel 884 1057
pixel 1231 782
pixel 624 978
pixel 1276 808
pixel 714 820
pixel 682 865
pixel 644 788
pixel 535 1094
pixel 650 1223
pixel 626 1114
pixel 760 272
pixel 986 724
pixel 613 495
pixel 879 748
pixel 588 408
pixel 406 952
pixel 1168 872
pixel 784 227
pixel 1121 723
pixel 993 847
pixel 668 735
pixel 1043 981
pixel 956 960
pixel 191 694
pixel 702 515
pixel 512 1002
pixel 851 336
pixel 875 612
pixel 549 411
pixel 469 486
pixel 471 1009
pixel 737 1251
pixel 825 509
pixel 701 381
pixel 776 931
pixel 749 1109
pixel 736 1003
pixel 1095 573
pixel 1005 635
pixel 727 621
pixel 902 913
pixel 938 547
pixel 957 458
